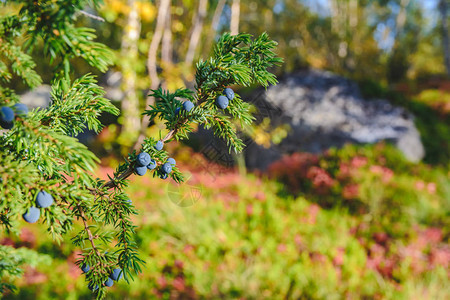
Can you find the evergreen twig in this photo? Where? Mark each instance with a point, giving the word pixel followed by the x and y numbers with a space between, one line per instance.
pixel 40 153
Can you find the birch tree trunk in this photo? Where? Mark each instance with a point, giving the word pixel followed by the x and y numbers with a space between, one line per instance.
pixel 214 26
pixel 161 19
pixel 129 53
pixel 353 16
pixel 235 15
pixel 166 48
pixel 400 21
pixel 443 8
pixel 196 31
pixel 334 7
pixel 163 10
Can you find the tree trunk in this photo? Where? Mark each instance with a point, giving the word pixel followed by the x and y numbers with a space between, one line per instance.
pixel 129 53
pixel 166 48
pixel 161 19
pixel 334 7
pixel 196 31
pixel 214 24
pixel 235 12
pixel 163 10
pixel 353 12
pixel 401 18
pixel 443 8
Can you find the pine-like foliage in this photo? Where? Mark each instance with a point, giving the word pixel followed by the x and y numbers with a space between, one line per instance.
pixel 40 153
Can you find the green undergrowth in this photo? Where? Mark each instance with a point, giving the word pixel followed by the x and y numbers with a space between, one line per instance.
pixel 227 236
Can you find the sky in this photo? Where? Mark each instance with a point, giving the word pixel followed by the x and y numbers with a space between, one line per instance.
pixel 322 6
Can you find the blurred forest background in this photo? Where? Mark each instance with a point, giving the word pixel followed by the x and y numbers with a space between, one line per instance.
pixel 355 222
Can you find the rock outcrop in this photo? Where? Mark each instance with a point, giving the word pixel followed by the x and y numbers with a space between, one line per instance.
pixel 325 110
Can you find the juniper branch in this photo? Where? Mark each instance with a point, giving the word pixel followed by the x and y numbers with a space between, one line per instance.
pixel 86 228
pixel 237 60
pixel 41 145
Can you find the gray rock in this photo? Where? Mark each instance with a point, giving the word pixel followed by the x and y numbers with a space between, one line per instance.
pixel 411 146
pixel 325 110
pixel 38 97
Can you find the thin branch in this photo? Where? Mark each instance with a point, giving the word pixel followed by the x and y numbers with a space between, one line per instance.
pixel 86 228
pixel 91 16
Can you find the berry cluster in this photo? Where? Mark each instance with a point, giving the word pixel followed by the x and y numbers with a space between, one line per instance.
pixel 7 114
pixel 223 100
pixel 144 161
pixel 115 275
pixel 187 106
pixel 43 200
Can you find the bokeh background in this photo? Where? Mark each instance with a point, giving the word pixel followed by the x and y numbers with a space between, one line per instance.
pixel 344 189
